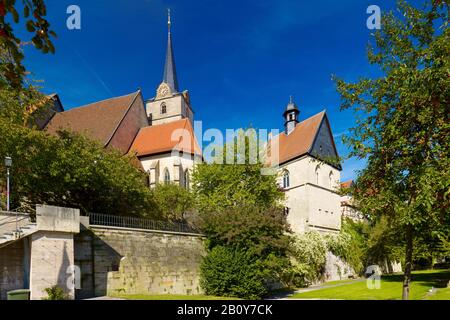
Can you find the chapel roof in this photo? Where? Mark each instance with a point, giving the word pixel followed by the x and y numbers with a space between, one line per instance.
pixel 98 120
pixel 176 135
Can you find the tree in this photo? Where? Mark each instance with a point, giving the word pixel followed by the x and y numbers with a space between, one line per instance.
pixel 219 185
pixel 403 128
pixel 240 213
pixel 173 201
pixel 71 170
pixel 12 71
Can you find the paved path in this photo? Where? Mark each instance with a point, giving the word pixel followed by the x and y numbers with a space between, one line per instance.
pixel 105 298
pixel 324 286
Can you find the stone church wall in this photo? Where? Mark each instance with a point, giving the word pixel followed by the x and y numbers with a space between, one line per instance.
pixel 116 261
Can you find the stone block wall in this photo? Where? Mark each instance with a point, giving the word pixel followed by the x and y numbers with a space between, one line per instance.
pixel 116 261
pixel 14 267
pixel 51 264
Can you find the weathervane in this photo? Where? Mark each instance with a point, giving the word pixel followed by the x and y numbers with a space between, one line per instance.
pixel 168 19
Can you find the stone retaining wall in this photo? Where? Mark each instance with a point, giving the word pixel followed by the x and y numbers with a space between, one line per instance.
pixel 116 261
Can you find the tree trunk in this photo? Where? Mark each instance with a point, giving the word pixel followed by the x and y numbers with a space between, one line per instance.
pixel 408 262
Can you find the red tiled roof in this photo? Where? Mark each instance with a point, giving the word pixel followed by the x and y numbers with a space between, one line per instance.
pixel 346 184
pixel 97 120
pixel 177 135
pixel 300 140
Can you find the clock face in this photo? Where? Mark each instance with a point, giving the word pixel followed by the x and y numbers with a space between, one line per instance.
pixel 163 90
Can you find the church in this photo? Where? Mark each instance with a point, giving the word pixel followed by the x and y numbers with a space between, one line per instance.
pixel 159 132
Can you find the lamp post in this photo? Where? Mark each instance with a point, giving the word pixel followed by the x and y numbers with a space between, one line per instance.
pixel 8 164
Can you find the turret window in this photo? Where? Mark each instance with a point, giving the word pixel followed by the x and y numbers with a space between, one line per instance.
pixel 163 108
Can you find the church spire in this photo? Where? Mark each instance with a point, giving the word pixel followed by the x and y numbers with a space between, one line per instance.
pixel 170 72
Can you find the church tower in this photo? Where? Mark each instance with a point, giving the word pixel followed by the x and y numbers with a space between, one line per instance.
pixel 169 104
pixel 291 116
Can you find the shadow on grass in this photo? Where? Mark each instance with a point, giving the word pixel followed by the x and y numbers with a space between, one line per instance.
pixel 432 278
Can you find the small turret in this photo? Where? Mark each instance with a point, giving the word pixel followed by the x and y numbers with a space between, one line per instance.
pixel 290 116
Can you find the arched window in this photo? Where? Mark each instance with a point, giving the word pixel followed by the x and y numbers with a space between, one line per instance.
pixel 163 108
pixel 286 181
pixel 166 176
pixel 186 179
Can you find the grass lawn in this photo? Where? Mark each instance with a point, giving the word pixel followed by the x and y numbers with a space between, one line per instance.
pixel 391 288
pixel 171 297
pixel 441 294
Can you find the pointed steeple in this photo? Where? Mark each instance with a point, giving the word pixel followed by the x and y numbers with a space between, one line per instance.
pixel 170 72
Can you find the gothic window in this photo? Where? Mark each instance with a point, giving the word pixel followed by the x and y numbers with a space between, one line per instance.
pixel 186 179
pixel 163 108
pixel 166 176
pixel 286 179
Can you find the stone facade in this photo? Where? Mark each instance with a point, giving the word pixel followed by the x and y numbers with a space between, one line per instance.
pixel 179 167
pixel 116 261
pixel 312 197
pixel 177 107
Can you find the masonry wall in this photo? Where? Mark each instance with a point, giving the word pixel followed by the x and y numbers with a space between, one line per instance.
pixel 123 261
pixel 14 267
pixel 51 260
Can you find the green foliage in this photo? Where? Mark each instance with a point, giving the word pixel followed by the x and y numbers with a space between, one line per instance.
pixel 55 293
pixel 231 272
pixel 260 235
pixel 308 257
pixel 351 244
pixel 248 227
pixel 23 106
pixel 173 201
pixel 12 70
pixel 218 186
pixel 248 236
pixel 402 124
pixel 72 171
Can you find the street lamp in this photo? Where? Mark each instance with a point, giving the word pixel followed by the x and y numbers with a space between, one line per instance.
pixel 8 164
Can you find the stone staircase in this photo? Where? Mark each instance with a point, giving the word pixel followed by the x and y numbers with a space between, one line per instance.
pixel 15 226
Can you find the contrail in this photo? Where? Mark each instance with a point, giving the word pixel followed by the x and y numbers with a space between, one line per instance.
pixel 92 71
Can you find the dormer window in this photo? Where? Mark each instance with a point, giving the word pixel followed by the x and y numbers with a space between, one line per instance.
pixel 163 108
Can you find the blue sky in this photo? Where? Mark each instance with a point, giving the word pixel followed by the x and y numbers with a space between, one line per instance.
pixel 240 60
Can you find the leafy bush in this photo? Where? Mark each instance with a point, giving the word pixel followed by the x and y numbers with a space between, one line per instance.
pixel 248 227
pixel 55 293
pixel 172 201
pixel 308 258
pixel 250 236
pixel 234 273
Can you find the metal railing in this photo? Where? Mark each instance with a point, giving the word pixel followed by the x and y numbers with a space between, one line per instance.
pixel 100 219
